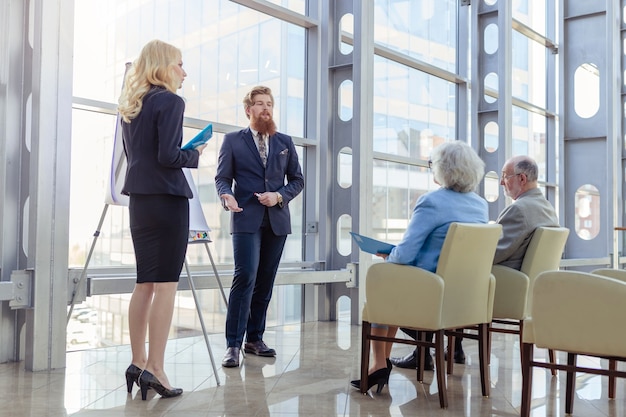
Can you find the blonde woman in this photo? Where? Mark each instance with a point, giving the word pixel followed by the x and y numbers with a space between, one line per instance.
pixel 152 130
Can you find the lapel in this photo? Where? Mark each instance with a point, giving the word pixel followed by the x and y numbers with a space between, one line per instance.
pixel 250 141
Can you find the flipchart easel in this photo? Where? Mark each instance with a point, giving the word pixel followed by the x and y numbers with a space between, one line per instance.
pixel 198 229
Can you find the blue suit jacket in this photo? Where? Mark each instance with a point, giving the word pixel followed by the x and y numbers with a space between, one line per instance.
pixel 240 172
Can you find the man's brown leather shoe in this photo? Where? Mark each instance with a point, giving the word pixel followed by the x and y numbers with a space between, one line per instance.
pixel 259 348
pixel 231 358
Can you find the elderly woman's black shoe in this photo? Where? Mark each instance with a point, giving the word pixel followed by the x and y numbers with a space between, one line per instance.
pixel 147 380
pixel 379 377
pixel 132 376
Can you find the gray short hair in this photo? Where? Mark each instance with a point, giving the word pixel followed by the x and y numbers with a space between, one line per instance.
pixel 527 166
pixel 457 166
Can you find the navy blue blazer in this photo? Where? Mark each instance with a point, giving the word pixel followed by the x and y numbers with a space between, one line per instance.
pixel 152 143
pixel 240 172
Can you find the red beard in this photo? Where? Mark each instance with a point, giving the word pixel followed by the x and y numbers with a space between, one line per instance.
pixel 263 126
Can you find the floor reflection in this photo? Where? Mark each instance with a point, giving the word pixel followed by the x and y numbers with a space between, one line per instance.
pixel 309 377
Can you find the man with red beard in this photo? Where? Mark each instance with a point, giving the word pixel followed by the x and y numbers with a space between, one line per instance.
pixel 258 174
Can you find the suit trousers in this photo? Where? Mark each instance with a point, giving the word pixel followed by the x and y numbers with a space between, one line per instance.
pixel 257 256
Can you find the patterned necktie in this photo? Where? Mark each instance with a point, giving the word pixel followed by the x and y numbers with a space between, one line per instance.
pixel 262 149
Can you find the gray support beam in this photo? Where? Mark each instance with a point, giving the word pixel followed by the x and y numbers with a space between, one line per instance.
pixel 313 97
pixel 362 139
pixel 589 138
pixel 46 211
pixel 490 106
pixel 14 56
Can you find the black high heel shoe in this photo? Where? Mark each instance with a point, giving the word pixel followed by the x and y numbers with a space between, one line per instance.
pixel 379 377
pixel 147 380
pixel 132 376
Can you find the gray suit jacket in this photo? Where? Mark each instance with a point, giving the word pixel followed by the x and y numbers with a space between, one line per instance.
pixel 519 221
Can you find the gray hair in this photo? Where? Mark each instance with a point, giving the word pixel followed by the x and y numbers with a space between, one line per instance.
pixel 457 166
pixel 527 166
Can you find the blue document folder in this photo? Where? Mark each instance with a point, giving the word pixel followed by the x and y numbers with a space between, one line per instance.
pixel 200 139
pixel 373 246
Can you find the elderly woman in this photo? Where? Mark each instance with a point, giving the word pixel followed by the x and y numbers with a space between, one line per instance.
pixel 458 170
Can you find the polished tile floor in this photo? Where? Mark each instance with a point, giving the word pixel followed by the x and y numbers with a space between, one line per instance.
pixel 309 377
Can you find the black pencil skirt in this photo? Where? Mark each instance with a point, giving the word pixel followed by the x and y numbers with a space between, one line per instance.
pixel 159 227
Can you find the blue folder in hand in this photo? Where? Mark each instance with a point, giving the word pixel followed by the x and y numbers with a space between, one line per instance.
pixel 200 139
pixel 373 246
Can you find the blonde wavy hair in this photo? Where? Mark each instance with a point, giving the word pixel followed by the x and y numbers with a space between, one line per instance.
pixel 457 166
pixel 154 66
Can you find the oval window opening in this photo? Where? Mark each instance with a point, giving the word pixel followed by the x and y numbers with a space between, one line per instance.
pixel 346 28
pixel 344 242
pixel 345 100
pixel 491 87
pixel 587 212
pixel 492 186
pixel 491 134
pixel 586 90
pixel 344 167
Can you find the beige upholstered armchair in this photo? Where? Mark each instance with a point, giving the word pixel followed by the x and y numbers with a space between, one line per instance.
pixel 619 274
pixel 577 313
pixel 513 298
pixel 459 294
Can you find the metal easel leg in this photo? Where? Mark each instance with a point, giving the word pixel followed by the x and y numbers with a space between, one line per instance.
pixel 78 284
pixel 217 276
pixel 206 337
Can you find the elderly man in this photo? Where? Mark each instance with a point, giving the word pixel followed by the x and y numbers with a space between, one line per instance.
pixel 529 211
pixel 519 220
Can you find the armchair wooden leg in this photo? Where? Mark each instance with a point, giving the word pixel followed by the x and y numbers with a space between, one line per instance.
pixel 439 369
pixel 483 357
pixel 450 364
pixel 570 383
pixel 365 354
pixel 552 360
pixel 421 358
pixel 527 378
pixel 612 367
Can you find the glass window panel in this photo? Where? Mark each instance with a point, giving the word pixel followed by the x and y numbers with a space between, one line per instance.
pixel 532 13
pixel 529 137
pixel 529 70
pixel 222 61
pixel 422 29
pixel 413 111
pixel 396 189
pixel 298 6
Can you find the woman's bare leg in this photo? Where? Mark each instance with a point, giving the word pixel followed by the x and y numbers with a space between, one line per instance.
pixel 138 313
pixel 381 350
pixel 159 323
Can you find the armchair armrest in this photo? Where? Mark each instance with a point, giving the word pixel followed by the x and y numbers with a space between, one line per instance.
pixel 403 295
pixel 511 293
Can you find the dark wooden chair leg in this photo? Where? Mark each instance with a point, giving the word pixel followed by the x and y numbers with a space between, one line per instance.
pixel 421 356
pixel 527 378
pixel 570 383
pixel 365 354
pixel 450 364
pixel 552 359
pixel 483 355
pixel 521 335
pixel 612 368
pixel 439 369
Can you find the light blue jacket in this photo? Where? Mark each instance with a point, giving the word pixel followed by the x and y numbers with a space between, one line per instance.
pixel 433 213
